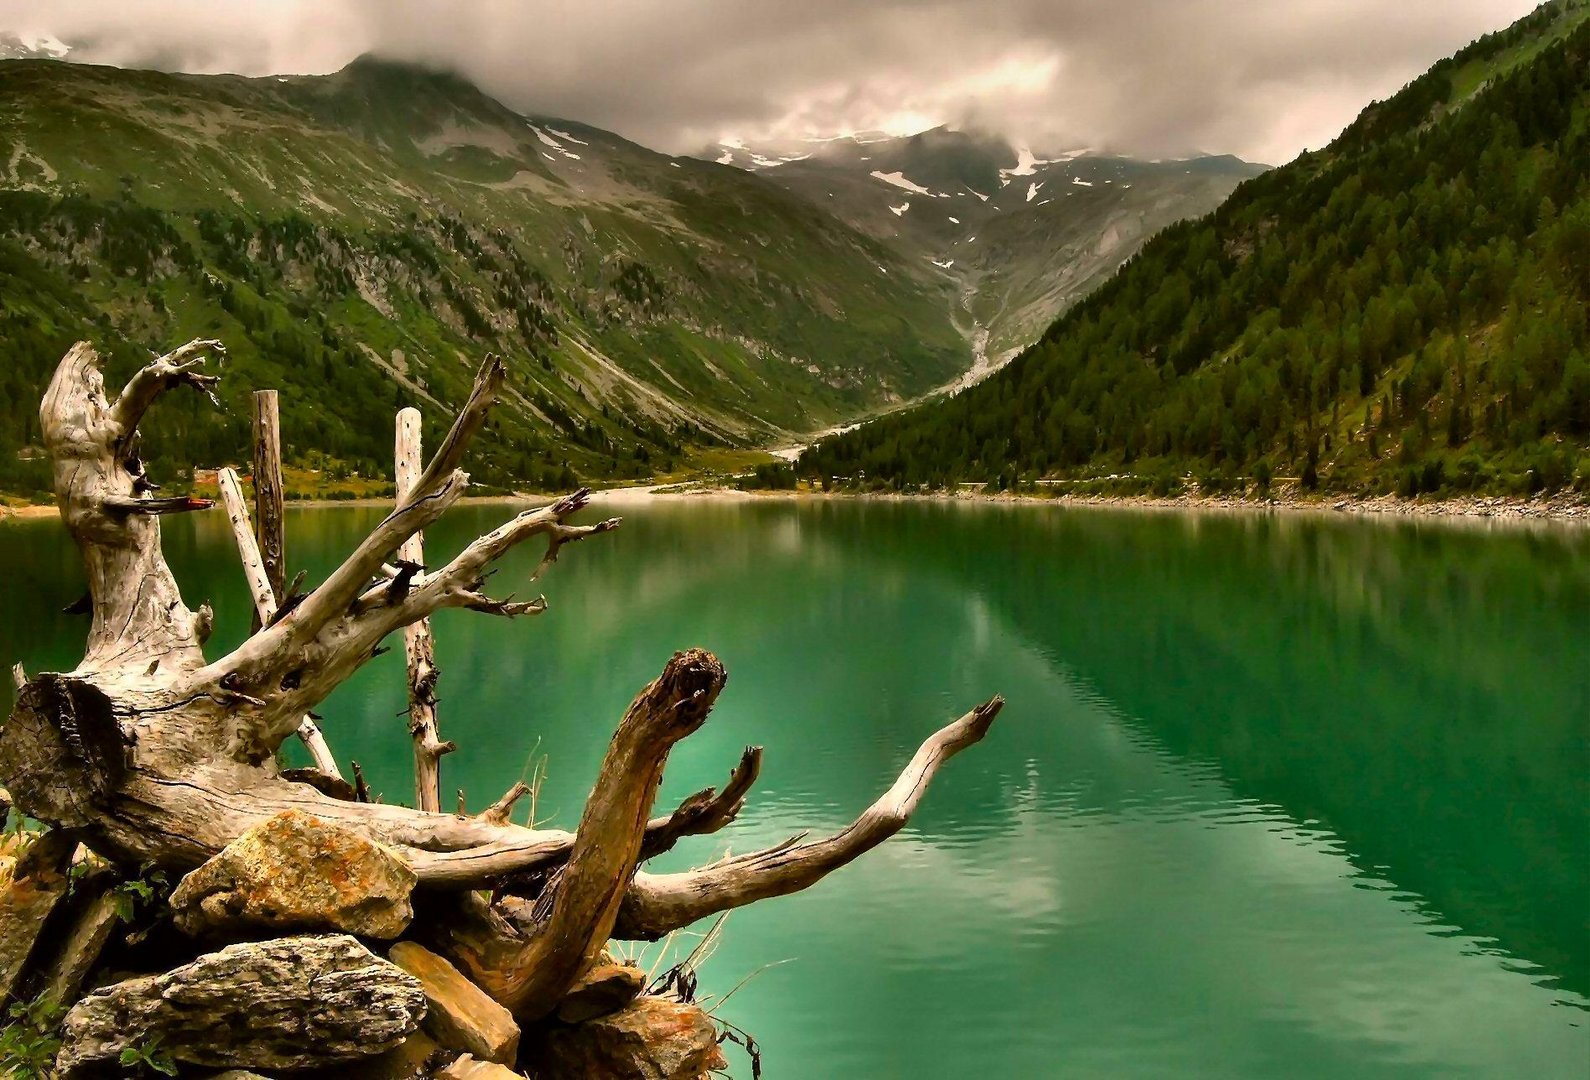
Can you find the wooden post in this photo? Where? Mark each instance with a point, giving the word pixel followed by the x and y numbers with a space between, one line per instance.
pixel 259 588
pixel 418 646
pixel 269 530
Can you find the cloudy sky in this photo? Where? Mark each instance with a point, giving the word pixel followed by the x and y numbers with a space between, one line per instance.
pixel 1259 78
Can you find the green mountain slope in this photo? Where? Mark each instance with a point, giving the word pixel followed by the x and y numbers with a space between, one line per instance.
pixel 1404 310
pixel 359 240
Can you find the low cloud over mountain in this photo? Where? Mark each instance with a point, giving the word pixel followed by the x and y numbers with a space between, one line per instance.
pixel 1260 80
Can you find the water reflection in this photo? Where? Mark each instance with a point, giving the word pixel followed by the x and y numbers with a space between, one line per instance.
pixel 1272 796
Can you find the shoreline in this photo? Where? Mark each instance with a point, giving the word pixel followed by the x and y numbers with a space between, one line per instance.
pixel 1569 510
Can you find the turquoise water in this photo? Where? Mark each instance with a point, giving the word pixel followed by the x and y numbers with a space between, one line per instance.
pixel 1272 795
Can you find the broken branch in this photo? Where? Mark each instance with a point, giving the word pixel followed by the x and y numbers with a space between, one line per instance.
pixel 660 903
pixel 259 587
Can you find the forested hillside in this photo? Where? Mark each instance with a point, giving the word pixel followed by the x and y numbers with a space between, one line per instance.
pixel 360 240
pixel 1403 310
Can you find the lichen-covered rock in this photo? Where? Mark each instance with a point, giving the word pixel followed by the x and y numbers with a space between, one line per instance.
pixel 461 1015
pixel 289 1003
pixel 606 988
pixel 297 872
pixel 649 1039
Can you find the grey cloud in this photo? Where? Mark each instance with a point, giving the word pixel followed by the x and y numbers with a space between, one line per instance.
pixel 1259 78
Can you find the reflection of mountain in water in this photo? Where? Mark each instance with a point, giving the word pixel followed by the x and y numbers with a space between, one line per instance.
pixel 1419 690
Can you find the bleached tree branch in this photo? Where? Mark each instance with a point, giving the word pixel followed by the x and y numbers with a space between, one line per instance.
pixel 658 904
pixel 529 977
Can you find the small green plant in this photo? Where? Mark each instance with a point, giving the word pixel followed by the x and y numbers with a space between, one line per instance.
pixel 139 893
pixel 147 1058
pixel 28 1041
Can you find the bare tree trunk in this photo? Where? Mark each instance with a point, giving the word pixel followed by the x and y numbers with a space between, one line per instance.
pixel 418 648
pixel 270 526
pixel 154 753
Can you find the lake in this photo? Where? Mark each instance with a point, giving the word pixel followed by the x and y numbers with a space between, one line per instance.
pixel 1272 794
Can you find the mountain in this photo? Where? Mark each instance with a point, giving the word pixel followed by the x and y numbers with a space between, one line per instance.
pixel 360 239
pixel 32 47
pixel 1403 310
pixel 1022 237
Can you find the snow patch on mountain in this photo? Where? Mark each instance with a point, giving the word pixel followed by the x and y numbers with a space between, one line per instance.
pixel 899 211
pixel 1026 163
pixel 899 181
pixel 547 140
pixel 1032 190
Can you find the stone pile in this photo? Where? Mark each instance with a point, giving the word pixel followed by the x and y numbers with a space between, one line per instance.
pixel 293 951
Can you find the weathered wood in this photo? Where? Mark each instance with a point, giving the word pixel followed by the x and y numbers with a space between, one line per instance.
pixel 270 509
pixel 171 504
pixel 139 618
pixel 500 812
pixel 706 811
pixel 532 976
pixel 288 1003
pixel 418 648
pixel 260 589
pixel 658 904
pixel 265 600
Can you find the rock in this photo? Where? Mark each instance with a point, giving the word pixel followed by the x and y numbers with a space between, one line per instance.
pixel 461 1015
pixel 606 988
pixel 91 929
pixel 239 1074
pixel 413 1059
pixel 288 1003
pixel 32 885
pixel 468 1068
pixel 649 1039
pixel 296 872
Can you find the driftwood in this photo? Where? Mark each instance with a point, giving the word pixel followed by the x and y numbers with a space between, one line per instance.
pixel 270 509
pixel 264 591
pixel 153 753
pixel 418 649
